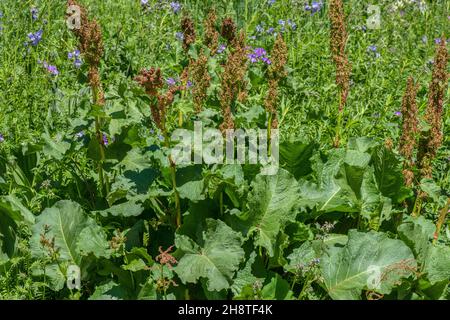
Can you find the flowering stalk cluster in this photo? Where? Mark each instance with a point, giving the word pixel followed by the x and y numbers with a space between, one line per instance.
pixel 211 34
pixel 187 27
pixel 228 30
pixel 408 140
pixel 202 80
pixel 234 85
pixel 338 39
pixel 432 139
pixel 276 72
pixel 152 81
pixel 91 46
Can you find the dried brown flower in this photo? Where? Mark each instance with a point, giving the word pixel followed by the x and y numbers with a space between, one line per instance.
pixel 211 34
pixel 187 27
pixel 228 30
pixel 432 140
pixel 165 258
pixel 276 73
pixel 234 85
pixel 202 80
pixel 410 129
pixel 338 39
pixel 91 46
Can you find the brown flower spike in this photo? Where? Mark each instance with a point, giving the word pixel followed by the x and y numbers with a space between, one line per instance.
pixel 202 80
pixel 211 34
pixel 228 30
pixel 276 72
pixel 432 140
pixel 234 85
pixel 91 46
pixel 410 129
pixel 338 39
pixel 187 27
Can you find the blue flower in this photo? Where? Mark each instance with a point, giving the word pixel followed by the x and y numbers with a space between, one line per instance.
pixel 35 38
pixel 176 7
pixel 171 81
pixel 222 48
pixel 314 7
pixel 270 30
pixel 34 13
pixel 50 68
pixel 398 113
pixel 105 140
pixel 144 2
pixel 259 29
pixel 76 56
pixel 2 138
pixel 80 134
pixel 292 24
pixel 179 36
pixel 270 2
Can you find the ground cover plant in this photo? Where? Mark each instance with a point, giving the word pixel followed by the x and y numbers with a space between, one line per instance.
pixel 352 95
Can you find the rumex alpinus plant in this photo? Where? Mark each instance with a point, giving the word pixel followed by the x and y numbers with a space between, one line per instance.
pixel 431 140
pixel 202 79
pixel 233 84
pixel 187 27
pixel 228 30
pixel 276 73
pixel 338 40
pixel 211 37
pixel 410 130
pixel 91 46
pixel 151 80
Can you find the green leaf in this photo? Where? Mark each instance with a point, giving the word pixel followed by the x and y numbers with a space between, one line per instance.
pixel 215 257
pixel 126 209
pixel 368 261
pixel 245 276
pixel 388 173
pixel 276 289
pixel 295 157
pixel 271 204
pixel 93 239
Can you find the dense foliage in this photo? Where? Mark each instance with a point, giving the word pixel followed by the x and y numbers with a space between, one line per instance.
pixel 357 209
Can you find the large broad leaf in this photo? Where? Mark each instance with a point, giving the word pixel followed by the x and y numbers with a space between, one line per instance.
pixel 388 173
pixel 294 157
pixel 271 204
pixel 369 261
pixel 333 190
pixel 12 212
pixel 215 257
pixel 66 222
pixel 434 261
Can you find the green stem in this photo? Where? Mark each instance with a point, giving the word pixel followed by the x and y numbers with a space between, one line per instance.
pixel 441 220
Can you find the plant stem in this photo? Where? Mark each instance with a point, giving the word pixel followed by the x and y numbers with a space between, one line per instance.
pixel 441 220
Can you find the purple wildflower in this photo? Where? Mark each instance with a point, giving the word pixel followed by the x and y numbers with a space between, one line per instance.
pixel 373 49
pixel 292 24
pixel 76 56
pixel 171 81
pixel 270 30
pixel 189 84
pixel 50 68
pixel 437 41
pixel 2 138
pixel 176 7
pixel 179 36
pixel 80 134
pixel 398 113
pixel 35 38
pixel 259 28
pixel 160 137
pixel 222 48
pixel 314 7
pixel 144 2
pixel 34 13
pixel 105 140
